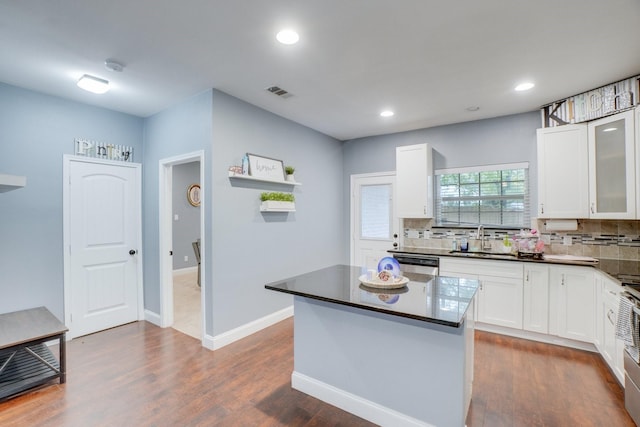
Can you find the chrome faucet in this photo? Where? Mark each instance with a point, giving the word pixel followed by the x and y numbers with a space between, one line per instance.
pixel 480 236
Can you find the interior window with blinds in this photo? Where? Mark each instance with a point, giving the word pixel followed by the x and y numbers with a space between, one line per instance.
pixel 494 196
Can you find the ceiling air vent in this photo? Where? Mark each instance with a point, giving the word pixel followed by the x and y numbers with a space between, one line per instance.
pixel 279 91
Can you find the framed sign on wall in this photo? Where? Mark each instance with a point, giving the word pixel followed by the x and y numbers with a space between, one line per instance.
pixel 265 167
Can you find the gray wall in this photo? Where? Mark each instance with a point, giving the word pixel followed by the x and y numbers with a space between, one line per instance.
pixel 252 248
pixel 187 228
pixel 36 130
pixel 184 128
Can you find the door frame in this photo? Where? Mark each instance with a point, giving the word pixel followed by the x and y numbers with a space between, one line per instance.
pixel 165 179
pixel 352 210
pixel 66 236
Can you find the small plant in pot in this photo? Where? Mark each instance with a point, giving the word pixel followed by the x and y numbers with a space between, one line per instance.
pixel 277 201
pixel 289 170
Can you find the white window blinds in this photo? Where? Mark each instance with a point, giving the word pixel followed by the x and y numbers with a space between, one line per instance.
pixel 495 196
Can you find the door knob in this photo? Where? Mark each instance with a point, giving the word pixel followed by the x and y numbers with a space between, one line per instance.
pixel 395 236
pixel 395 245
pixel 132 252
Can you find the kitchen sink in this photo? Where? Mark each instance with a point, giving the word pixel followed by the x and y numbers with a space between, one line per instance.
pixel 483 254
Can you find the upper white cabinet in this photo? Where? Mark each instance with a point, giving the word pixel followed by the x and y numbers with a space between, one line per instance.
pixel 414 181
pixel 563 176
pixel 612 167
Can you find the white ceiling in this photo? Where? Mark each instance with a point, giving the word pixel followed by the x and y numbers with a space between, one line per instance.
pixel 427 60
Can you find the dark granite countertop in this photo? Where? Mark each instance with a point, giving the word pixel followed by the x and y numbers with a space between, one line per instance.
pixel 622 270
pixel 434 299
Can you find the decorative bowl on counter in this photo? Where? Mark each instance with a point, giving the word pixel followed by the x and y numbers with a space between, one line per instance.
pixel 394 282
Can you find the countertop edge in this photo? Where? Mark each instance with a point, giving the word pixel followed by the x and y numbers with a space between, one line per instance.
pixel 372 308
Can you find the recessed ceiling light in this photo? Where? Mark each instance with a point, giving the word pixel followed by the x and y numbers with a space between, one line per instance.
pixel 288 36
pixel 387 113
pixel 524 86
pixel 473 108
pixel 93 84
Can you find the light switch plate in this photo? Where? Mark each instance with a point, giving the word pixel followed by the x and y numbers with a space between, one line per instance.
pixel 176 217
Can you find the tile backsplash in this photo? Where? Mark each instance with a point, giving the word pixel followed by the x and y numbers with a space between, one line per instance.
pixel 594 238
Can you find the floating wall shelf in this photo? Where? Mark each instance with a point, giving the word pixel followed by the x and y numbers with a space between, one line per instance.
pixel 252 178
pixel 11 182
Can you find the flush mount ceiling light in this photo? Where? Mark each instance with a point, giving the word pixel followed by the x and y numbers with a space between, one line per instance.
pixel 93 84
pixel 524 86
pixel 387 113
pixel 287 36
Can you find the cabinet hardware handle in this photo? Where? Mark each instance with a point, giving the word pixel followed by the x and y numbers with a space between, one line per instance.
pixel 562 283
pixel 592 207
pixel 425 209
pixel 609 316
pixel 527 276
pixel 541 207
pixel 612 293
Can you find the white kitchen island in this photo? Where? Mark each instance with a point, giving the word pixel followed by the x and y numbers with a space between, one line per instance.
pixel 394 357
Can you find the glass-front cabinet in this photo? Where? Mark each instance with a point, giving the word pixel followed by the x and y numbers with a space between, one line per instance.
pixel 612 186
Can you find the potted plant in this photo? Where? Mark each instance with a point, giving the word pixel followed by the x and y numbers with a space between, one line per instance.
pixel 289 170
pixel 277 201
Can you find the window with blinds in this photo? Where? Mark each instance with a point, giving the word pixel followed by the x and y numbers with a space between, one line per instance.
pixel 494 196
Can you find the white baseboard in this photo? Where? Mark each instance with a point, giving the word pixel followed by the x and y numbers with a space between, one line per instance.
pixel 534 336
pixel 152 317
pixel 226 338
pixel 186 270
pixel 353 404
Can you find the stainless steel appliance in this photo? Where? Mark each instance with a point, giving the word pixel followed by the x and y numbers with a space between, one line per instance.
pixel 418 263
pixel 631 286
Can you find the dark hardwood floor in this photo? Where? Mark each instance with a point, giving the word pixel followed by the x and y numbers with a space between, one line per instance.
pixel 142 375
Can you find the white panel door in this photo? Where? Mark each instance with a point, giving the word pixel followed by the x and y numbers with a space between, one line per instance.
pixel 104 212
pixel 374 225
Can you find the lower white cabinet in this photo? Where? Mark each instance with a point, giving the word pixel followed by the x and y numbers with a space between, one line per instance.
pixel 572 303
pixel 499 299
pixel 611 348
pixel 535 310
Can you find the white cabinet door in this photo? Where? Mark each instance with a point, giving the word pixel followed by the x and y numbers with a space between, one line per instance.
pixel 535 310
pixel 598 339
pixel 563 174
pixel 573 300
pixel 612 348
pixel 612 188
pixel 500 301
pixel 414 181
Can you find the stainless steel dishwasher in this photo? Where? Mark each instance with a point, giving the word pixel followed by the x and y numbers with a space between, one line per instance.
pixel 418 263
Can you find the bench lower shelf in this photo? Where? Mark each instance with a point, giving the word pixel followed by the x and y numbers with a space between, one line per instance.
pixel 24 371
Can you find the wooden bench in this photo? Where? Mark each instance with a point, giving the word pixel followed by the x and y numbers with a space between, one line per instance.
pixel 25 359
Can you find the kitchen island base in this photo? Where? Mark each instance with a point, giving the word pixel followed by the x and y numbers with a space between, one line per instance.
pixel 390 370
